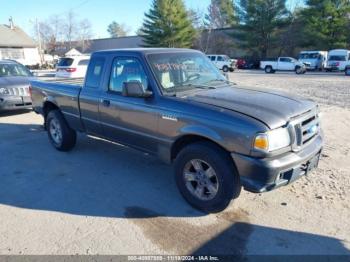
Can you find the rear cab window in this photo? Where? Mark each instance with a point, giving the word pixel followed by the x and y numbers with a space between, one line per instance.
pixel 65 61
pixel 94 72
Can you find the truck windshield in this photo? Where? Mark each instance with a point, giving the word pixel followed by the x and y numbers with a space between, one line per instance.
pixel 337 58
pixel 13 70
pixel 183 71
pixel 309 56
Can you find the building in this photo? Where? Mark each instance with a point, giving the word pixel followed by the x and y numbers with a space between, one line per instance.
pixel 90 46
pixel 15 44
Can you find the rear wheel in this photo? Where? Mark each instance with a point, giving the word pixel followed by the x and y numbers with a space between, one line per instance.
pixel 206 177
pixel 61 136
pixel 269 70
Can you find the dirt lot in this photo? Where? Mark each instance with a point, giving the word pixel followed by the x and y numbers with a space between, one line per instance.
pixel 103 198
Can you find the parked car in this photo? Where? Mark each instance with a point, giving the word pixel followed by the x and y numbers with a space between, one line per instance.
pixel 14 86
pixel 314 60
pixel 241 63
pixel 175 104
pixel 338 59
pixel 223 62
pixel 283 64
pixel 72 67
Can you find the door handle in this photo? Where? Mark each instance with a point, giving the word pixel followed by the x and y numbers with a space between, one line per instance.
pixel 106 102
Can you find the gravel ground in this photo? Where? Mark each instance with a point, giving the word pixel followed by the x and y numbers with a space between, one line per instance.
pixel 96 200
pixel 324 88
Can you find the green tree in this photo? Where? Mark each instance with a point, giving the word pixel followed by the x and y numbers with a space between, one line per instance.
pixel 261 24
pixel 326 24
pixel 117 30
pixel 221 14
pixel 167 24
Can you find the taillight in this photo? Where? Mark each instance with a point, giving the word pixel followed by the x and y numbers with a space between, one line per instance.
pixel 30 91
pixel 71 70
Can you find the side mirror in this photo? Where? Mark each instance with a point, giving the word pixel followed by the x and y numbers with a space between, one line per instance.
pixel 135 89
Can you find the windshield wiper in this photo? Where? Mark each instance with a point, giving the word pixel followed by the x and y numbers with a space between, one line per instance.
pixel 198 86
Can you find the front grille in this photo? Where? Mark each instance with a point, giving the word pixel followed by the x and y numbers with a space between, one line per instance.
pixel 19 91
pixel 305 129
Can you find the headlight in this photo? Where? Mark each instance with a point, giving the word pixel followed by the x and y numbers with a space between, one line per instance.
pixel 272 140
pixel 4 91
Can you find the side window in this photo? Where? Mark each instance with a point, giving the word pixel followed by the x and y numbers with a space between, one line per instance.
pixel 94 73
pixel 125 70
pixel 220 59
pixel 84 62
pixel 284 59
pixel 212 58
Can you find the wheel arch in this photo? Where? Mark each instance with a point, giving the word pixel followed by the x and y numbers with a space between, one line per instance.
pixel 48 106
pixel 192 138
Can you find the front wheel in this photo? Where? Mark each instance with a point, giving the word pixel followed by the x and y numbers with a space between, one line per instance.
pixel 299 70
pixel 61 136
pixel 347 71
pixel 225 69
pixel 206 177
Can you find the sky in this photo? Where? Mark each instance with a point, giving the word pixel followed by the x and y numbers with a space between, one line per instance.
pixel 100 13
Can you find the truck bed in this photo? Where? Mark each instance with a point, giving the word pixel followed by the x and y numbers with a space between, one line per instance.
pixel 62 93
pixel 64 81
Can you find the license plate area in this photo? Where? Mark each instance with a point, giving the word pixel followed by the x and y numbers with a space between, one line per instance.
pixel 311 164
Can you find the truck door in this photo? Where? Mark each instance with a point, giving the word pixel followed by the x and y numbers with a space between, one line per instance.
pixel 285 63
pixel 220 62
pixel 90 96
pixel 128 120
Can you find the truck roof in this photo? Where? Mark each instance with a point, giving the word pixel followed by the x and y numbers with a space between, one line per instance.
pixel 146 50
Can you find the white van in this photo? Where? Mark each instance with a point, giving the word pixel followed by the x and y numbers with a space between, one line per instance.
pixel 314 60
pixel 338 59
pixel 223 62
pixel 72 67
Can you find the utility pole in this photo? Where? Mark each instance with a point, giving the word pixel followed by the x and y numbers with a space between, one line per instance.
pixel 39 39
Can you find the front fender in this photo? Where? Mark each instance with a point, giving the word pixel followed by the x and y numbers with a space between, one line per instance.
pixel 201 131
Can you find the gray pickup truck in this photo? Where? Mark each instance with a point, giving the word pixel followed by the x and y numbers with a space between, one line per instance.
pixel 175 104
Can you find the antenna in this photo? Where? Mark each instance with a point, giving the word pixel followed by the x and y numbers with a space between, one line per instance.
pixel 11 23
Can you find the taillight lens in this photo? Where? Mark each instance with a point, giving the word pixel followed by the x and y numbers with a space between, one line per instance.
pixel 30 91
pixel 71 70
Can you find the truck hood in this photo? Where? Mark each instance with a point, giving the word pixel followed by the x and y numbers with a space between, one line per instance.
pixel 272 108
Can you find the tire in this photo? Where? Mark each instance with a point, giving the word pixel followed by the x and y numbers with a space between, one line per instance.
pixel 232 69
pixel 299 70
pixel 347 71
pixel 225 69
pixel 269 70
pixel 222 178
pixel 61 136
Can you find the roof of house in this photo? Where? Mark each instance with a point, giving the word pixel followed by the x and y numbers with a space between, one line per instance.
pixel 15 37
pixel 94 45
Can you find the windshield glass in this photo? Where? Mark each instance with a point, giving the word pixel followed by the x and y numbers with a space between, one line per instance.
pixel 13 70
pixel 337 58
pixel 309 56
pixel 182 71
pixel 65 62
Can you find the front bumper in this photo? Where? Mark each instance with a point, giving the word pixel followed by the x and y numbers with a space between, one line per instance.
pixel 15 102
pixel 261 175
